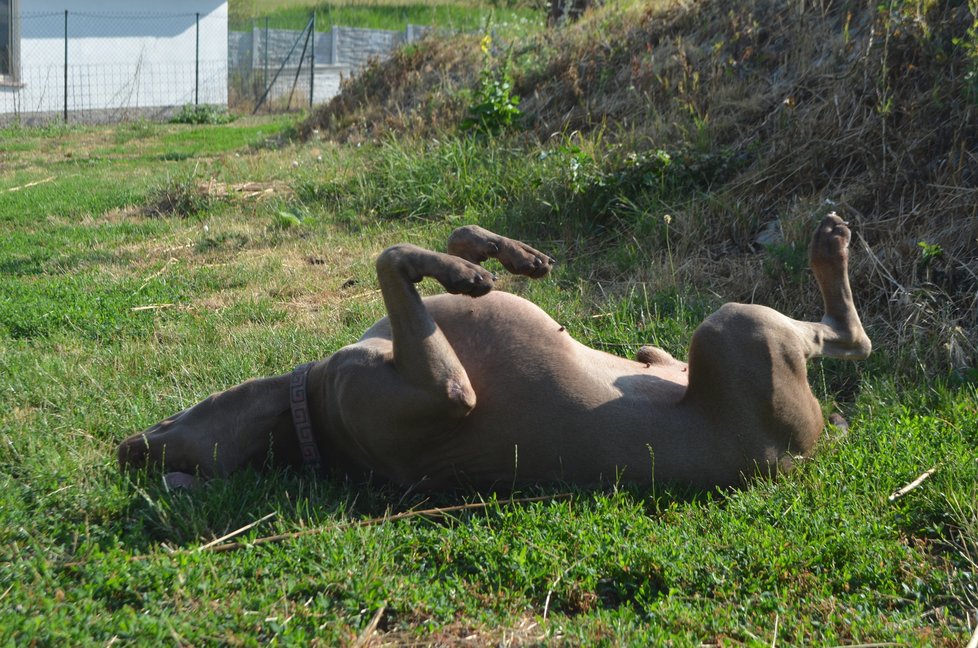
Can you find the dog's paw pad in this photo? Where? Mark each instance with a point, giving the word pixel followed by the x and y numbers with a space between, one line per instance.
pixel 831 240
pixel 465 278
pixel 520 258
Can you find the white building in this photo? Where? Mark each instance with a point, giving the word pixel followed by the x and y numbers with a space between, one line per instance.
pixel 105 60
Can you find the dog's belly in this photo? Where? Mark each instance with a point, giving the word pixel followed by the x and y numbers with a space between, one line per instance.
pixel 547 406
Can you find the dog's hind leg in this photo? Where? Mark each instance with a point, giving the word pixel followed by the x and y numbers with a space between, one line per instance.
pixel 742 337
pixel 748 370
pixel 839 334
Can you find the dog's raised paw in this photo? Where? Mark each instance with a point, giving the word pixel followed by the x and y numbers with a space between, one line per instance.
pixel 519 258
pixel 465 278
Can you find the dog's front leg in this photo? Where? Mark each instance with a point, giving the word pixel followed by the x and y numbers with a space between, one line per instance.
pixel 476 244
pixel 423 357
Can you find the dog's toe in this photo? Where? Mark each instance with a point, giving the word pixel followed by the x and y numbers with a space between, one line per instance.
pixel 465 278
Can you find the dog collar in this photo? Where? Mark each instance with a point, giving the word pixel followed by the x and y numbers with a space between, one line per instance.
pixel 301 421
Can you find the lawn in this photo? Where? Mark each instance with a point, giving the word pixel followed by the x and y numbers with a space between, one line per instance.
pixel 451 15
pixel 143 267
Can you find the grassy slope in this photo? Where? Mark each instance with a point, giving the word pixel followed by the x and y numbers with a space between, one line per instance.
pixel 224 290
pixel 769 116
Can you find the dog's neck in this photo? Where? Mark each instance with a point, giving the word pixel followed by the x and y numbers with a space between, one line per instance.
pixel 302 418
pixel 282 449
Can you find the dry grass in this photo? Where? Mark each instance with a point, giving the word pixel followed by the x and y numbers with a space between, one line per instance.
pixel 416 91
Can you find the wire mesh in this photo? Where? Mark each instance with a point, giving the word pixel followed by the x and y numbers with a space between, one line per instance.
pixel 99 67
pixel 269 67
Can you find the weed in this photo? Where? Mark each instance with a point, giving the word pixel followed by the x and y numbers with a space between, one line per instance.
pixel 181 195
pixel 968 43
pixel 202 114
pixel 495 108
pixel 929 252
pixel 285 220
pixel 667 221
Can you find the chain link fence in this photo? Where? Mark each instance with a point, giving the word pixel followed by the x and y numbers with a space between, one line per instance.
pixel 95 67
pixel 102 67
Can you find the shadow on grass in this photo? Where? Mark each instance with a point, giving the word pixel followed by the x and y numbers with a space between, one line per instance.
pixel 186 518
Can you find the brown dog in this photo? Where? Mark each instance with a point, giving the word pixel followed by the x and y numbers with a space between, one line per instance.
pixel 485 389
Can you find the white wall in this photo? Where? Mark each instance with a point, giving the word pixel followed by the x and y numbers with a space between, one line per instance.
pixel 124 57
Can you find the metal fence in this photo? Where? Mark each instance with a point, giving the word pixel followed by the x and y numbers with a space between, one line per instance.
pixel 275 69
pixel 100 67
pixel 95 67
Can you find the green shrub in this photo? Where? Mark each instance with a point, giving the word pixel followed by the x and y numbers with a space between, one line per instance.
pixel 202 114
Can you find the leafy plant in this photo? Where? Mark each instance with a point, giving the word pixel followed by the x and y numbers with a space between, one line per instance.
pixel 285 219
pixel 202 114
pixel 495 108
pixel 182 196
pixel 575 166
pixel 969 45
pixel 929 252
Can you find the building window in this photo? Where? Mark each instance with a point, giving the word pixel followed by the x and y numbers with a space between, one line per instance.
pixel 8 41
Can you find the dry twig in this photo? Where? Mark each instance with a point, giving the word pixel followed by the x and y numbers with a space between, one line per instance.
pixel 30 184
pixel 367 635
pixel 912 485
pixel 237 532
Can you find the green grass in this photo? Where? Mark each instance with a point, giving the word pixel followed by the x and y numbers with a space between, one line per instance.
pixel 112 317
pixel 458 15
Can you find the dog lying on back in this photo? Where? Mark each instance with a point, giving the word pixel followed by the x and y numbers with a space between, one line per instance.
pixel 483 388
